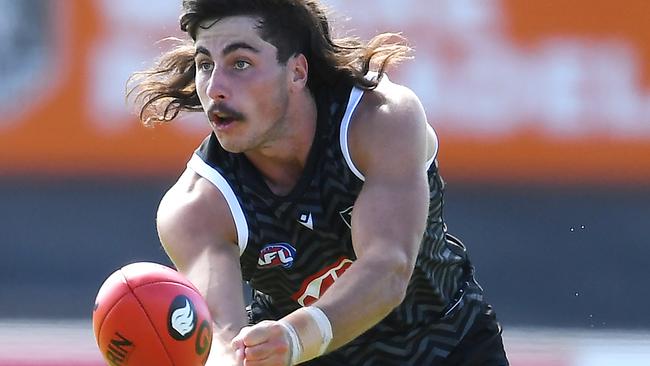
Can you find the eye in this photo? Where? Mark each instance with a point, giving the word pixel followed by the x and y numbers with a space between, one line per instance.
pixel 205 66
pixel 241 65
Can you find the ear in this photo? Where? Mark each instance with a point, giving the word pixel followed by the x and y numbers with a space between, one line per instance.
pixel 298 71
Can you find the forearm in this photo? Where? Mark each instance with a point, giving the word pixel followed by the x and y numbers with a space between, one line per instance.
pixel 368 291
pixel 387 249
pixel 226 304
pixel 219 280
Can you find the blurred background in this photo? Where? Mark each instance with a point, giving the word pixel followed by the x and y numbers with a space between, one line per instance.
pixel 543 112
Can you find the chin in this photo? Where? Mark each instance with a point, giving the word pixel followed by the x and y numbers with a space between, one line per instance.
pixel 233 150
pixel 231 147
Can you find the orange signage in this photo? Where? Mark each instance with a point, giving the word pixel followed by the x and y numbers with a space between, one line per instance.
pixel 553 92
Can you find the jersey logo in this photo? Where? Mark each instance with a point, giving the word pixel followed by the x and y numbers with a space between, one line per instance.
pixel 276 254
pixel 315 286
pixel 306 221
pixel 346 215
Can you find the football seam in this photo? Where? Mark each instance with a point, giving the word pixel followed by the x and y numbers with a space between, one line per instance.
pixel 155 329
pixel 156 282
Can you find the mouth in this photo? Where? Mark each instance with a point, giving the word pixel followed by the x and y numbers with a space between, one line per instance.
pixel 223 116
pixel 218 120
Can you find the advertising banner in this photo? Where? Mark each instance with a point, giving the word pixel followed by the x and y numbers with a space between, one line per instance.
pixel 549 92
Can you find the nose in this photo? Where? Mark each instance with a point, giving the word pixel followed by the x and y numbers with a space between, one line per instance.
pixel 217 86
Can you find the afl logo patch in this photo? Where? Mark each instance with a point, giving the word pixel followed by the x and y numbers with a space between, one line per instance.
pixel 181 320
pixel 277 254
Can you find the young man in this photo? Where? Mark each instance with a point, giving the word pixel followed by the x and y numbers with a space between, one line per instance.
pixel 319 186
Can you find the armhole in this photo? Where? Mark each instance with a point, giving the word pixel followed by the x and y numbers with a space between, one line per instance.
pixel 435 148
pixel 353 102
pixel 201 168
pixel 355 98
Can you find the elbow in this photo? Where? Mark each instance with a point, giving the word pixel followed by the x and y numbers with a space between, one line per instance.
pixel 398 277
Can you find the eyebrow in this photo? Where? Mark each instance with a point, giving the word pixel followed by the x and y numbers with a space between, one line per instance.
pixel 228 49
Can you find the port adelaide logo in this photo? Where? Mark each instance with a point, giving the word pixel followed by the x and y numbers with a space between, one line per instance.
pixel 276 255
pixel 181 321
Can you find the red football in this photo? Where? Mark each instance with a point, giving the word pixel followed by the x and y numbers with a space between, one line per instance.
pixel 147 314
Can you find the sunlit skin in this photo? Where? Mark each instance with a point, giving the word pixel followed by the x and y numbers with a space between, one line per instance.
pixel 255 104
pixel 263 109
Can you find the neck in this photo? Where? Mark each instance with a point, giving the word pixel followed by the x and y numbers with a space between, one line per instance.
pixel 282 162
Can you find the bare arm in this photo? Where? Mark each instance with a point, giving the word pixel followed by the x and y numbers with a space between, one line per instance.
pixel 198 233
pixel 390 143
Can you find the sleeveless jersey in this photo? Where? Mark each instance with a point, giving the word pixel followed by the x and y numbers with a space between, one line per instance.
pixel 294 247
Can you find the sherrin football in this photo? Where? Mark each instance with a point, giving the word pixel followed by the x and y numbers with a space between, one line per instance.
pixel 148 314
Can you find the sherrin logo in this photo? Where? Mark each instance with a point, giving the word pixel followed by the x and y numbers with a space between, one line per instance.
pixel 276 254
pixel 181 321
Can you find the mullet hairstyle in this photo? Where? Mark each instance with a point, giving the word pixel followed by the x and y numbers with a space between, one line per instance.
pixel 292 26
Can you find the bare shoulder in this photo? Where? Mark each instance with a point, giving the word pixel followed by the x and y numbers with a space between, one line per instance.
pixel 390 122
pixel 389 101
pixel 193 216
pixel 390 97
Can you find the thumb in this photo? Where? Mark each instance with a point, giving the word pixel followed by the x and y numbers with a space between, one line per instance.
pixel 238 345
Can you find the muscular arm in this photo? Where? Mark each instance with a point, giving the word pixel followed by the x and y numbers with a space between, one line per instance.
pixel 388 141
pixel 198 233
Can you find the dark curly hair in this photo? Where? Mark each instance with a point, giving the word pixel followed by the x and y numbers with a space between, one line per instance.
pixel 292 26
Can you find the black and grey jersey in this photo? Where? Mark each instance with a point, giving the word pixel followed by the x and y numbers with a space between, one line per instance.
pixel 293 247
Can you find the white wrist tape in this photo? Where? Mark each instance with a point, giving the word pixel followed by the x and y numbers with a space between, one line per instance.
pixel 309 331
pixel 323 324
pixel 296 346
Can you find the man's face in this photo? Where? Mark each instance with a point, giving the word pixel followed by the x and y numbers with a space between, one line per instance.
pixel 242 87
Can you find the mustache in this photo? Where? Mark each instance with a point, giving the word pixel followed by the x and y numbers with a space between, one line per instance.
pixel 223 108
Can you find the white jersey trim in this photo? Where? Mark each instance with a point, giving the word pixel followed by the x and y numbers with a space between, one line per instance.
pixel 355 98
pixel 353 102
pixel 201 168
pixel 435 149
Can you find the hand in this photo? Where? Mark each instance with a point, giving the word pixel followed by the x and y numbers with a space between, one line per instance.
pixel 264 344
